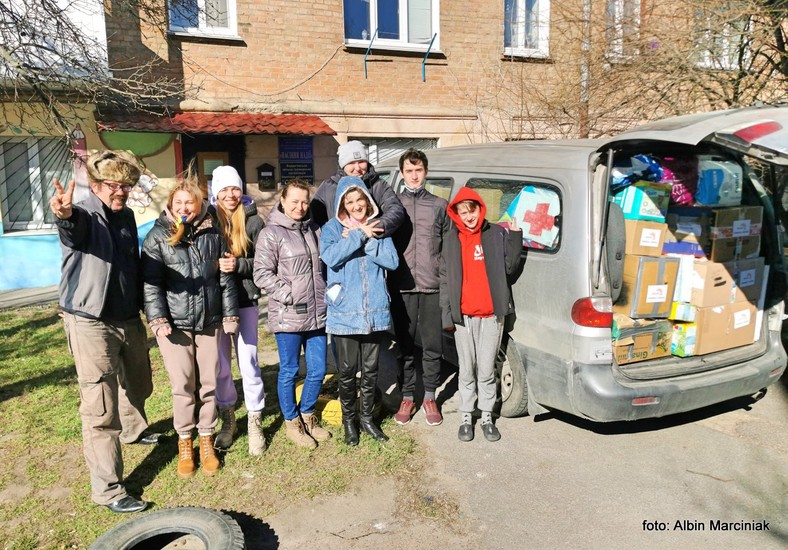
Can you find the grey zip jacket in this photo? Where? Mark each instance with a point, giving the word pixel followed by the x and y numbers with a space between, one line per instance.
pixel 287 265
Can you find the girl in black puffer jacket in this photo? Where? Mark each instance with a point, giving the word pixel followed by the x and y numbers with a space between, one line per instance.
pixel 188 301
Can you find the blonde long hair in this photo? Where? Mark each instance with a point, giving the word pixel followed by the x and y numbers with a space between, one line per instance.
pixel 233 228
pixel 189 184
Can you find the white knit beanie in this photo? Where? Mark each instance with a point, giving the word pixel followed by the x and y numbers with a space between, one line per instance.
pixel 225 176
pixel 352 151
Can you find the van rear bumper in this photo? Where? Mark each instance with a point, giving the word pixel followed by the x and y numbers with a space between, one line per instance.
pixel 600 396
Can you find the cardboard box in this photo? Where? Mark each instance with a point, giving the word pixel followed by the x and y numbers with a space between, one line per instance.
pixel 748 279
pixel 640 339
pixel 736 233
pixel 719 181
pixel 649 284
pixel 644 238
pixel 703 283
pixel 688 230
pixel 715 328
pixel 644 200
pixel 741 248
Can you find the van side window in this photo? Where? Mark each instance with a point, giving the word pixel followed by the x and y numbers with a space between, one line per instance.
pixel 440 187
pixel 537 207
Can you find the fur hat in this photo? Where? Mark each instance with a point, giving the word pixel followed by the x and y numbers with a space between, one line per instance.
pixel 223 177
pixel 106 164
pixel 352 151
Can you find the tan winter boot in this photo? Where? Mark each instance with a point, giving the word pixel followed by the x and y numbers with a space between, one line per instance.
pixel 314 429
pixel 297 434
pixel 208 459
pixel 224 438
pixel 257 444
pixel 186 466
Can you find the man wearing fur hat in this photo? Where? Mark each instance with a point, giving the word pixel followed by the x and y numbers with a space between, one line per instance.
pixel 354 161
pixel 101 297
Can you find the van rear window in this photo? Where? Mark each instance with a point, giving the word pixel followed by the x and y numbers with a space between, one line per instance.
pixel 536 206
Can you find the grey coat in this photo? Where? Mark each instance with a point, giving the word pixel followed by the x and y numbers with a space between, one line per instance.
pixel 287 266
pixel 419 242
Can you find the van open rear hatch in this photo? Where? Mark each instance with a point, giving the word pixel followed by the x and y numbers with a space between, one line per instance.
pixel 703 254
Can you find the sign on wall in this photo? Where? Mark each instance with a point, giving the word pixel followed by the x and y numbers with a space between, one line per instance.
pixel 296 158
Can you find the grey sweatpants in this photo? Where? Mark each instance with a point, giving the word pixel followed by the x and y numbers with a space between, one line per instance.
pixel 477 347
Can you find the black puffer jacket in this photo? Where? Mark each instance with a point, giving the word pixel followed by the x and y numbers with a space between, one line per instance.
pixel 248 293
pixel 182 283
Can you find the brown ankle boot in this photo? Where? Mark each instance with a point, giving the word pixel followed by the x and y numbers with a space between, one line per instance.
pixel 186 467
pixel 208 459
pixel 297 434
pixel 314 429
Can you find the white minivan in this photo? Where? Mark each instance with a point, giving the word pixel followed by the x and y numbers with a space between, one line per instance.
pixel 558 353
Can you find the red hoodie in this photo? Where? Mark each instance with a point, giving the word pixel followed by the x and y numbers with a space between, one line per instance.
pixel 476 299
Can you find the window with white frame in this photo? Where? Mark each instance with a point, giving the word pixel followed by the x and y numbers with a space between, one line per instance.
pixel 27 168
pixel 721 39
pixel 622 28
pixel 400 24
pixel 526 31
pixel 210 18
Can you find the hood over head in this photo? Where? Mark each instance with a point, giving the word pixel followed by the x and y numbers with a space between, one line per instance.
pixel 464 194
pixel 346 184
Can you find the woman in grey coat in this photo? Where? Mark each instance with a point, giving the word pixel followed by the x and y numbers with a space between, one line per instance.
pixel 287 266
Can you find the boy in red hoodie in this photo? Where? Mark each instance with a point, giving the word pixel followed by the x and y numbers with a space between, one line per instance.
pixel 478 262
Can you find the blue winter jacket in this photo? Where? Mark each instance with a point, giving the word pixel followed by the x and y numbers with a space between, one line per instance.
pixel 358 302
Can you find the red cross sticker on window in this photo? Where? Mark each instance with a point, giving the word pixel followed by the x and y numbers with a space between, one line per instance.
pixel 539 219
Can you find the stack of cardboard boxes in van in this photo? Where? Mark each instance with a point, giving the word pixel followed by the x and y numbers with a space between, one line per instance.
pixel 693 277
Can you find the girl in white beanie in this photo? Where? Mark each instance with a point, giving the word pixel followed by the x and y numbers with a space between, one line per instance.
pixel 239 224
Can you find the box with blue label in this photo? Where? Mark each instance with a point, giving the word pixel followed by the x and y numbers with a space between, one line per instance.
pixel 644 200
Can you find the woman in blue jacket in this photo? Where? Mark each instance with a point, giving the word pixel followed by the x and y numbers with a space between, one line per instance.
pixel 358 303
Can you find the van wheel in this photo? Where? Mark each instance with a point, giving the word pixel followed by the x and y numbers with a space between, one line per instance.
pixel 214 529
pixel 514 386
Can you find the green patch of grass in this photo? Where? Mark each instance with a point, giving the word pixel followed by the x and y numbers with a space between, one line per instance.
pixel 44 487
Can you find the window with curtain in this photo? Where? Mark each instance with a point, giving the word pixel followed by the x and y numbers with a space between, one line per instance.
pixel 399 23
pixel 526 31
pixel 622 30
pixel 27 168
pixel 203 17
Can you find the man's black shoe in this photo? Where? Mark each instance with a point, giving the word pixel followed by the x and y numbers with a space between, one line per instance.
pixel 490 432
pixel 147 438
pixel 465 432
pixel 127 505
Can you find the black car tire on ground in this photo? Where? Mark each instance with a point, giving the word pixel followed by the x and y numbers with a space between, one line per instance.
pixel 512 379
pixel 214 528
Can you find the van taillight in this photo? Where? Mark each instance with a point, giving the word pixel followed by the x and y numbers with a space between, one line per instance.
pixel 593 312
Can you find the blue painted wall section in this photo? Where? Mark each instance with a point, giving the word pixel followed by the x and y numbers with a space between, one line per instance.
pixel 29 261
pixel 32 261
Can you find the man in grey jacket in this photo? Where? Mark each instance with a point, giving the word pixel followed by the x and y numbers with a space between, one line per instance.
pixel 101 296
pixel 415 286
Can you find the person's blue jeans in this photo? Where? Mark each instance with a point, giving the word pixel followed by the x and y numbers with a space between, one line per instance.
pixel 290 344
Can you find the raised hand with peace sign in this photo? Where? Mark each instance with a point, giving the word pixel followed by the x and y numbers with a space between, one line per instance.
pixel 60 203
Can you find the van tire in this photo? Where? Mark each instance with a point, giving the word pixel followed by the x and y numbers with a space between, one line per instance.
pixel 214 528
pixel 513 381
